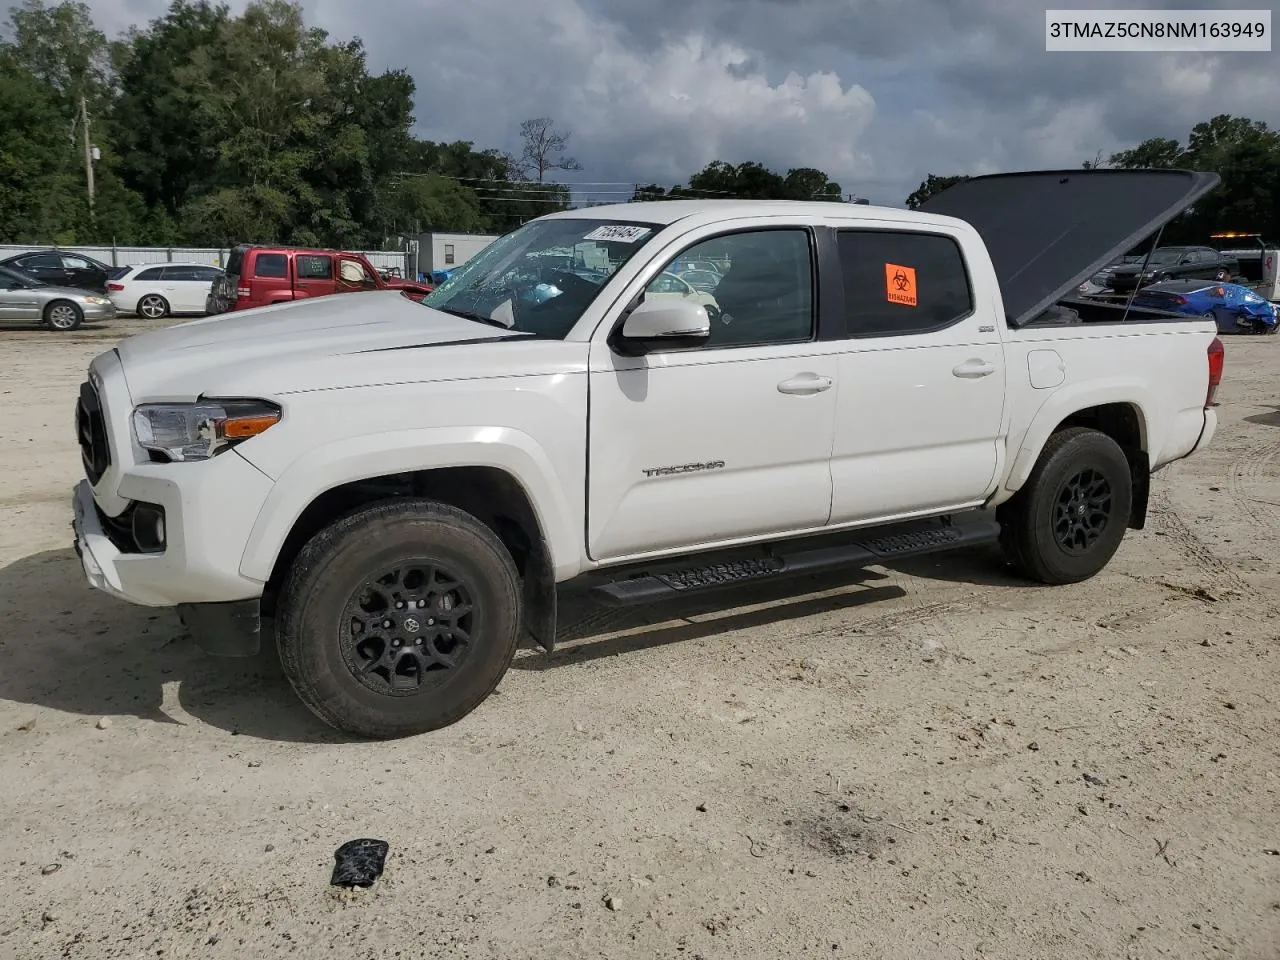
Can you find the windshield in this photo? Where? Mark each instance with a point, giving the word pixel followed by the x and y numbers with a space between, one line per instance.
pixel 541 277
pixel 1166 255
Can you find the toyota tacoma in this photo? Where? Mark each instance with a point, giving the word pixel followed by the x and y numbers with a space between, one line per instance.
pixel 400 488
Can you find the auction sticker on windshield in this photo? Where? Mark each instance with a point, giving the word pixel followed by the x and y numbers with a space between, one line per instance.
pixel 619 233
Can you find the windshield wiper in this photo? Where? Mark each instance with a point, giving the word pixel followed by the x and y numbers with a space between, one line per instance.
pixel 471 315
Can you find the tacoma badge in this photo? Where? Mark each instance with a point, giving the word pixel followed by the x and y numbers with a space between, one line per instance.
pixel 684 468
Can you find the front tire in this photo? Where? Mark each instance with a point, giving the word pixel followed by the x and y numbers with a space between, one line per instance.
pixel 63 316
pixel 399 619
pixel 1067 521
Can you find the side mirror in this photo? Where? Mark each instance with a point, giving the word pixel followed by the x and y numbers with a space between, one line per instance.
pixel 663 322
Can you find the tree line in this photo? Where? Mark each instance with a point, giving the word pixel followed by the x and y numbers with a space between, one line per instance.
pixel 208 128
pixel 1244 153
pixel 747 181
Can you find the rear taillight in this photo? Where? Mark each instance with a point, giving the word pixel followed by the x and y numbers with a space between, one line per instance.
pixel 1217 359
pixel 117 287
pixel 1182 301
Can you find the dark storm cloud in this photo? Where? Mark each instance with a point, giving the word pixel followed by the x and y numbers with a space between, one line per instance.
pixel 877 93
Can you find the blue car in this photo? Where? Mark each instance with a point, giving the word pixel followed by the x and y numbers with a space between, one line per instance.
pixel 1234 308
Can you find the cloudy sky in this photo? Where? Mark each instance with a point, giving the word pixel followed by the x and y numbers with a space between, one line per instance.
pixel 875 93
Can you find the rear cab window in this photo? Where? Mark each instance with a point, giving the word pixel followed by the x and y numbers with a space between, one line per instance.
pixel 899 282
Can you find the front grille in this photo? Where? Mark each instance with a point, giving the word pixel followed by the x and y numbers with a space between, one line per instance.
pixel 91 432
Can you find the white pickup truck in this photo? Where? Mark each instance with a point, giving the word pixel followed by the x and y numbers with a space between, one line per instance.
pixel 400 487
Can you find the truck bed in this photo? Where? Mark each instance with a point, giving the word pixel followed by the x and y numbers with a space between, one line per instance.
pixel 1078 310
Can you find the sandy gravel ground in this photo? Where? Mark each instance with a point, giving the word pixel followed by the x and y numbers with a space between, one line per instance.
pixel 932 760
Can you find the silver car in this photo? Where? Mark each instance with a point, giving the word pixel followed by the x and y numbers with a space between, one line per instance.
pixel 58 308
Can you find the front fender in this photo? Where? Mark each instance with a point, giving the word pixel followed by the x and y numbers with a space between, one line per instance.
pixel 380 454
pixel 1072 399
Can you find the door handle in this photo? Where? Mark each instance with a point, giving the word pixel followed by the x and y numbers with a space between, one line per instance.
pixel 972 369
pixel 805 383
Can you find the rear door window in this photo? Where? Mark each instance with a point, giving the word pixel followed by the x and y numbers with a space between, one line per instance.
pixel 901 282
pixel 271 265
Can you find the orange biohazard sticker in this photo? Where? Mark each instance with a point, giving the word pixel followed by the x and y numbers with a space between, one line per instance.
pixel 900 284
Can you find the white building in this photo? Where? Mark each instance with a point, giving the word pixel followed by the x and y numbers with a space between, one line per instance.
pixel 447 251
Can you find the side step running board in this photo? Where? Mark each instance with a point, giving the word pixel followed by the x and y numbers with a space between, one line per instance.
pixel 783 560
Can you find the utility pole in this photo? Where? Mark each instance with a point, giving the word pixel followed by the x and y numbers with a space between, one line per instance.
pixel 88 151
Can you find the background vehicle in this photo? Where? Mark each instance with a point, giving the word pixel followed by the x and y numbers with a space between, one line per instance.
pixel 158 290
pixel 61 269
pixel 257 276
pixel 402 486
pixel 1258 262
pixel 704 281
pixel 58 308
pixel 1174 263
pixel 1099 282
pixel 704 266
pixel 1233 307
pixel 669 285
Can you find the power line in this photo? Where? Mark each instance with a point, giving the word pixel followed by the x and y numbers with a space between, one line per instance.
pixel 534 183
pixel 536 187
pixel 562 194
pixel 527 200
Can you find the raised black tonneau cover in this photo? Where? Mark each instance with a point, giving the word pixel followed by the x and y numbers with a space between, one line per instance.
pixel 1047 231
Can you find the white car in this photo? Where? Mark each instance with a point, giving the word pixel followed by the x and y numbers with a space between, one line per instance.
pixel 156 290
pixel 402 487
pixel 669 285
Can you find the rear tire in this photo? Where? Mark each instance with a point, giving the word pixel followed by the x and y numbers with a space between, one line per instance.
pixel 63 316
pixel 447 588
pixel 1067 521
pixel 153 307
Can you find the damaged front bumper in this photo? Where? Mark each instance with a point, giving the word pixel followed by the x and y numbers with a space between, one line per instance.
pixel 230 628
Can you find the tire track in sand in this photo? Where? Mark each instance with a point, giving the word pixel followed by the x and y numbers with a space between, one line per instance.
pixel 1218 571
pixel 1245 472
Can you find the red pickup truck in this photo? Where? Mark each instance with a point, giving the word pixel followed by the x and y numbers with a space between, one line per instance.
pixel 256 276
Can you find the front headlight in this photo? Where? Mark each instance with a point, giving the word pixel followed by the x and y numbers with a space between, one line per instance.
pixel 198 431
pixel 96 300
